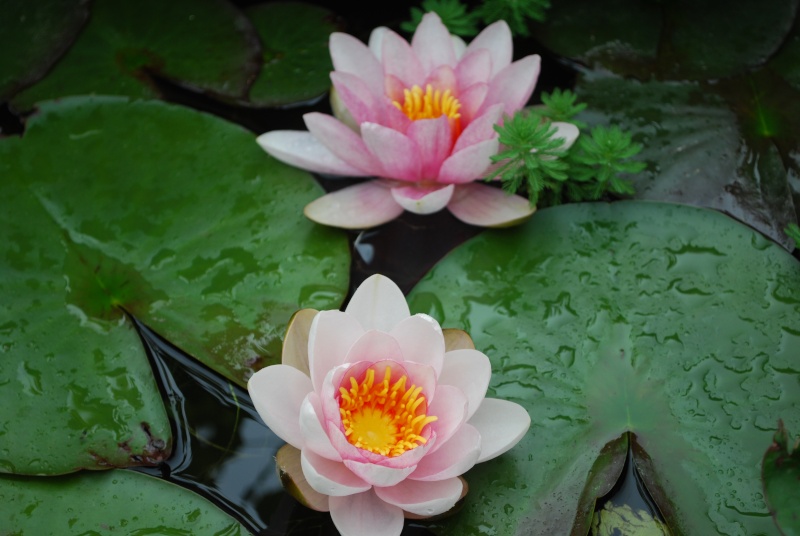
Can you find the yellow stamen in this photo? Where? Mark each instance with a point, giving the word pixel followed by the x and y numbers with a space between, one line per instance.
pixel 431 104
pixel 384 417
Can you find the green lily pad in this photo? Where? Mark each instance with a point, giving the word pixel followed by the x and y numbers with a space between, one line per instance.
pixel 676 324
pixel 109 502
pixel 781 473
pixel 205 45
pixel 33 35
pixel 679 40
pixel 174 216
pixel 296 61
pixel 698 151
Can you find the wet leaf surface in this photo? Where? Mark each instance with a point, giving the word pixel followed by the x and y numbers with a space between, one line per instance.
pixel 296 61
pixel 673 323
pixel 172 215
pixel 205 45
pixel 108 502
pixel 33 35
pixel 781 474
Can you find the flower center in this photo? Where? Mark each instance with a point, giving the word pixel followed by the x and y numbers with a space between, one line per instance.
pixel 431 104
pixel 384 417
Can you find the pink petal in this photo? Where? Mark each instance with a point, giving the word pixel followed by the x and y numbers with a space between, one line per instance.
pixel 514 85
pixel 375 346
pixel 434 140
pixel 357 98
pixel 501 424
pixel 423 376
pixel 329 477
pixel 423 498
pixel 394 89
pixel 399 59
pixel 342 142
pixel 472 100
pixel 474 68
pixel 378 304
pixel 567 132
pixel 278 392
pixel 346 449
pixel 443 78
pixel 480 129
pixel 496 38
pixel 470 371
pixel 395 151
pixel 378 475
pixel 455 458
pixel 301 149
pixel 450 406
pixel 432 44
pixel 469 163
pixel 360 206
pixel 376 42
pixel 422 200
pixel 365 514
pixel 478 204
pixel 421 340
pixel 351 56
pixel 332 335
pixel 314 435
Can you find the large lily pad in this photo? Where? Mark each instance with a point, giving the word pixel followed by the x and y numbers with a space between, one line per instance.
pixel 207 45
pixel 297 63
pixel 781 473
pixel 698 151
pixel 33 35
pixel 110 502
pixel 676 324
pixel 172 215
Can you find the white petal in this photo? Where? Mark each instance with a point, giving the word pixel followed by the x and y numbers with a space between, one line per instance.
pixel 567 132
pixel 303 150
pixel 501 424
pixel 423 498
pixel 364 514
pixel 421 339
pixel 329 477
pixel 496 38
pixel 470 371
pixel 428 203
pixel 350 55
pixel 378 475
pixel 360 206
pixel 375 345
pixel 278 392
pixel 378 304
pixel 332 335
pixel 314 435
pixel 450 406
pixel 455 458
pixel 478 204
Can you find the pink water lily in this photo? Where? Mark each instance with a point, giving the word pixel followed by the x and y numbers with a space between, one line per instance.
pixel 420 117
pixel 384 415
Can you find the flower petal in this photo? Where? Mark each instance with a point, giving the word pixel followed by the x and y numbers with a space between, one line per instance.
pixel 378 475
pixel 332 335
pixel 421 340
pixel 455 458
pixel 469 163
pixel 376 42
pixel 443 78
pixel 422 200
pixel 301 149
pixel 432 44
pixel 496 38
pixel 475 67
pixel 472 100
pixel 364 513
pixel 501 424
pixel 314 435
pixel 278 392
pixel 349 55
pixel 470 371
pixel 450 406
pixel 342 142
pixel 378 304
pixel 478 204
pixel 514 85
pixel 329 477
pixel 423 498
pixel 359 102
pixel 433 138
pixel 480 129
pixel 375 346
pixel 396 152
pixel 399 59
pixel 295 342
pixel 567 132
pixel 360 206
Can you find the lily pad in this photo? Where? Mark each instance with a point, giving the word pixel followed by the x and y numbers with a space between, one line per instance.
pixel 172 215
pixel 676 324
pixel 296 61
pixel 781 473
pixel 109 502
pixel 33 35
pixel 205 45
pixel 697 150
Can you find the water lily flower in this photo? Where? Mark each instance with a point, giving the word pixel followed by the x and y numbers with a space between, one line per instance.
pixel 418 116
pixel 384 416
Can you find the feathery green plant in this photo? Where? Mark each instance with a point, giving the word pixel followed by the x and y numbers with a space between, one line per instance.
pixel 461 21
pixel 454 15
